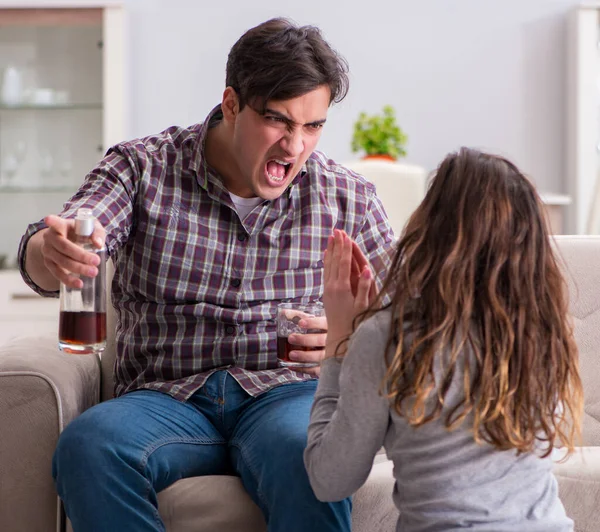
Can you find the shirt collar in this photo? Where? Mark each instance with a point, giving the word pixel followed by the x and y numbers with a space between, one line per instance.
pixel 198 163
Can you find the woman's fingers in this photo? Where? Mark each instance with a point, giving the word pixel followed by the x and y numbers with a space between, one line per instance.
pixel 336 255
pixel 364 288
pixel 327 258
pixel 354 275
pixel 372 292
pixel 359 257
pixel 345 267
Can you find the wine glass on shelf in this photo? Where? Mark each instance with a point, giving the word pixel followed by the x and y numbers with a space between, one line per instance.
pixel 10 165
pixel 65 168
pixel 12 161
pixel 20 151
pixel 46 166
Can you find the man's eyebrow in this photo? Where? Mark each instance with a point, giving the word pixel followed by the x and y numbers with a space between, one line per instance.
pixel 290 121
pixel 317 122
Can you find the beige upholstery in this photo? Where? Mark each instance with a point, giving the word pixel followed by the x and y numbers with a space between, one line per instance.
pixel 579 485
pixel 400 186
pixel 593 221
pixel 582 257
pixel 42 389
pixel 579 477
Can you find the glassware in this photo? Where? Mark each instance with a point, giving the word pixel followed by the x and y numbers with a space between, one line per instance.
pixel 10 165
pixel 288 318
pixel 82 324
pixel 46 164
pixel 12 86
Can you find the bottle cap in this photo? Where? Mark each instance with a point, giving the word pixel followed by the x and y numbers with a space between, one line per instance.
pixel 84 222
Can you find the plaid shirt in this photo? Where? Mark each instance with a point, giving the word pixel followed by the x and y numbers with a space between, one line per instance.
pixel 195 287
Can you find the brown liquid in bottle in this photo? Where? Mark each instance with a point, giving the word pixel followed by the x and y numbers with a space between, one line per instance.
pixel 82 328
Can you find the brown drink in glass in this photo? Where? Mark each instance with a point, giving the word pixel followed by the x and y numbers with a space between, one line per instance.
pixel 288 317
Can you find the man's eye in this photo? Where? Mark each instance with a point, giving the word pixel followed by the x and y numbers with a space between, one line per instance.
pixel 315 127
pixel 276 119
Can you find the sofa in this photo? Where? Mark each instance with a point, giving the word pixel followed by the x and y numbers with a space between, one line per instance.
pixel 43 389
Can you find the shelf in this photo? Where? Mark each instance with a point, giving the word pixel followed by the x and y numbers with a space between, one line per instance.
pixel 4 189
pixel 54 107
pixel 551 198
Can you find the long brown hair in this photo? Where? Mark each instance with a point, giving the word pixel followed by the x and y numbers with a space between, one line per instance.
pixel 475 272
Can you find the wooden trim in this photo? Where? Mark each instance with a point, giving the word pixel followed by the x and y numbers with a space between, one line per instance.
pixel 51 17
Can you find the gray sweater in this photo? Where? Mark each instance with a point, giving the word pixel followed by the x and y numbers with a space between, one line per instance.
pixel 444 480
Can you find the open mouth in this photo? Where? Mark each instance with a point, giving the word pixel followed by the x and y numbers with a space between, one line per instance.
pixel 277 171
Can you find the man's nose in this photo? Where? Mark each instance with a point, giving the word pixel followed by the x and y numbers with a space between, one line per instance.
pixel 293 142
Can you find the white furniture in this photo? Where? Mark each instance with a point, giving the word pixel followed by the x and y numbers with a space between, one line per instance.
pixel 22 311
pixel 70 60
pixel 400 187
pixel 555 205
pixel 582 135
pixel 594 219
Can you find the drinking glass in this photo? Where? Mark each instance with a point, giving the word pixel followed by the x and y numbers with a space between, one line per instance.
pixel 288 316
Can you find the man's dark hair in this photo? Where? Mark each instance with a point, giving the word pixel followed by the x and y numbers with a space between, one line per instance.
pixel 279 60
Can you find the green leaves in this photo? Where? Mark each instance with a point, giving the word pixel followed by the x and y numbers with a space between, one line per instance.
pixel 379 134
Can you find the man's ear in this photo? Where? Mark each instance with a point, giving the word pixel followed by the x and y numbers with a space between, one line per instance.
pixel 230 105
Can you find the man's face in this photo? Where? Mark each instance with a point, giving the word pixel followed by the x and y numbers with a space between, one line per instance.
pixel 270 149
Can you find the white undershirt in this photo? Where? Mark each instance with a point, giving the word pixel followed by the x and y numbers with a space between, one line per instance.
pixel 244 206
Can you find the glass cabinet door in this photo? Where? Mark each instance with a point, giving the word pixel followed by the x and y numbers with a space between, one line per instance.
pixel 50 98
pixel 582 135
pixel 61 106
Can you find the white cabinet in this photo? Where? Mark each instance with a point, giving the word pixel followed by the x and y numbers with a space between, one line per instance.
pixel 22 311
pixel 583 118
pixel 62 88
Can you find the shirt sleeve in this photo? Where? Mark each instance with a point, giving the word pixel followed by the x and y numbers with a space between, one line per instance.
pixel 376 239
pixel 349 417
pixel 109 190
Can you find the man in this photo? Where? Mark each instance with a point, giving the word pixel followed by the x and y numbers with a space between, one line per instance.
pixel 209 227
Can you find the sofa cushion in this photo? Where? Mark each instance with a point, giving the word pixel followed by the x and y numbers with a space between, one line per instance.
pixel 579 487
pixel 211 503
pixel 41 391
pixel 581 258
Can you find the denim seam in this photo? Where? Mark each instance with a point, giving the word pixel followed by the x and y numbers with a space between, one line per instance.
pixel 144 462
pixel 157 517
pixel 252 472
pixel 193 441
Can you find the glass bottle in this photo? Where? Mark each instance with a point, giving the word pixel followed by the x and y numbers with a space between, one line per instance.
pixel 82 324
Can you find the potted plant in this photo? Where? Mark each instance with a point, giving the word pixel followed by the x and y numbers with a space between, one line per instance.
pixel 379 136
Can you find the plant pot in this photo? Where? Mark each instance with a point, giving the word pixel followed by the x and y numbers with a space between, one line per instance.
pixel 380 157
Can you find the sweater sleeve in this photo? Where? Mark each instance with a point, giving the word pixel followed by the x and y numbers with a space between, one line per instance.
pixel 349 417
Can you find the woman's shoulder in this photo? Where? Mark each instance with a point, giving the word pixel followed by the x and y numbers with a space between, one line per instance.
pixel 370 340
pixel 376 324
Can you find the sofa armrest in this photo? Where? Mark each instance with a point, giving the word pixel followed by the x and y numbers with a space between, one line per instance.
pixel 41 391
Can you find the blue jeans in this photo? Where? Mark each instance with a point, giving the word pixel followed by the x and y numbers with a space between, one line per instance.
pixel 111 461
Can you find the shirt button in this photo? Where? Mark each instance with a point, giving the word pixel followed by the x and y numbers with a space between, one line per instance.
pixel 230 329
pixel 236 282
pixel 242 237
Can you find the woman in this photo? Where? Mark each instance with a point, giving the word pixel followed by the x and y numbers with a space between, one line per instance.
pixel 467 373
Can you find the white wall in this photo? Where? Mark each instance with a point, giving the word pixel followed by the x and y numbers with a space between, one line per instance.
pixel 459 72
